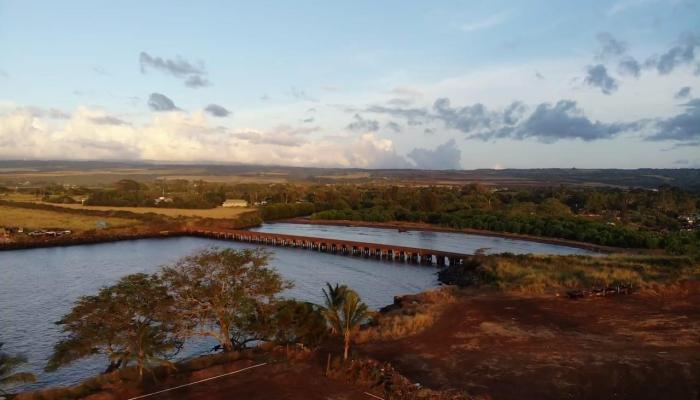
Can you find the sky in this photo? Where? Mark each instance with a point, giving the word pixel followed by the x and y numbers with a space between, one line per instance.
pixel 368 84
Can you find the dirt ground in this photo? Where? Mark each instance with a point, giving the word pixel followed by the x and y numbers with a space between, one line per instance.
pixel 639 346
pixel 303 380
pixel 505 346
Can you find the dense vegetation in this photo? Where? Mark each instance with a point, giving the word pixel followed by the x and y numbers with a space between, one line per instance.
pixel 631 218
pixel 610 217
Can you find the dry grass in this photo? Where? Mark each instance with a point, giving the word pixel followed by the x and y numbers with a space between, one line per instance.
pixel 542 274
pixel 414 314
pixel 28 197
pixel 219 212
pixel 31 219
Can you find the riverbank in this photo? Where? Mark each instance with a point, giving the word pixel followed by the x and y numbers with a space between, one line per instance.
pixel 421 226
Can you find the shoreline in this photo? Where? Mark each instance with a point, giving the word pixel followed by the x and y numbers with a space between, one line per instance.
pixel 419 226
pixel 80 240
pixel 413 226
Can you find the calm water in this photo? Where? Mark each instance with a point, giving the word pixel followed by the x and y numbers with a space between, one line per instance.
pixel 454 242
pixel 39 286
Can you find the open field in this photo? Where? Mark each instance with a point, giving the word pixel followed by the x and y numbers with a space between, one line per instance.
pixel 23 197
pixel 40 219
pixel 507 346
pixel 219 212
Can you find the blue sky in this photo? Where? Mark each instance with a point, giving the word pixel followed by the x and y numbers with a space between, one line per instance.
pixel 354 84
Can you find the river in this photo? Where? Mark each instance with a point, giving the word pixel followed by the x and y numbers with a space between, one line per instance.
pixel 39 286
pixel 443 241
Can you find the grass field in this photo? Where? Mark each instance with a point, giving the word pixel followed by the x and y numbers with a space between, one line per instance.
pixel 40 219
pixel 219 212
pixel 27 197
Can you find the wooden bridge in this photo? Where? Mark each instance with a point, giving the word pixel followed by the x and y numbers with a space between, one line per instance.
pixel 378 251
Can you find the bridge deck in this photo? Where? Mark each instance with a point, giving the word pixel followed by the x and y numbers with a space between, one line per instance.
pixel 338 246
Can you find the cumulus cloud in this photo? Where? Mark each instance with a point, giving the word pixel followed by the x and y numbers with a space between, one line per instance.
pixel 683 127
pixel 683 93
pixel 682 53
pixel 612 49
pixel 597 76
pixel 185 137
pixel 360 124
pixel 217 110
pixel 108 120
pixel 629 66
pixel 445 156
pixel 547 122
pixel 40 112
pixel 24 134
pixel 563 120
pixel 194 75
pixel 465 119
pixel 161 102
pixel 282 135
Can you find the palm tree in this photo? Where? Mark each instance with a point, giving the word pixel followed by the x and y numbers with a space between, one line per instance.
pixel 9 363
pixel 344 312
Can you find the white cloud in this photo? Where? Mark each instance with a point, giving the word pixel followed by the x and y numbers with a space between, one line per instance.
pixel 179 136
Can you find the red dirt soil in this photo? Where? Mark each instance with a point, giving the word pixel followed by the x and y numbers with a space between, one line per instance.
pixel 640 346
pixel 303 380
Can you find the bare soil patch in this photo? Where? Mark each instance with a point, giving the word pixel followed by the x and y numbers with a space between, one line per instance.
pixel 641 346
pixel 272 381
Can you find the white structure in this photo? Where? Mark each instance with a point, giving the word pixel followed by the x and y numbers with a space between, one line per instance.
pixel 235 203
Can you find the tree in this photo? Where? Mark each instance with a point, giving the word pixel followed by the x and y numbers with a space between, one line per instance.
pixel 344 313
pixel 298 322
pixel 8 363
pixel 131 320
pixel 220 293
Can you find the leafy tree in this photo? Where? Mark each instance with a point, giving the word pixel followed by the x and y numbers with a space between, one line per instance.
pixel 298 322
pixel 128 321
pixel 344 312
pixel 8 363
pixel 223 293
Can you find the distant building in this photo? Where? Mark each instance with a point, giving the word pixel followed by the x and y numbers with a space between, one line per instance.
pixel 163 199
pixel 235 203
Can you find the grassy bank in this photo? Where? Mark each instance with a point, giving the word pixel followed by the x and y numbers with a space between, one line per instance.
pixel 547 274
